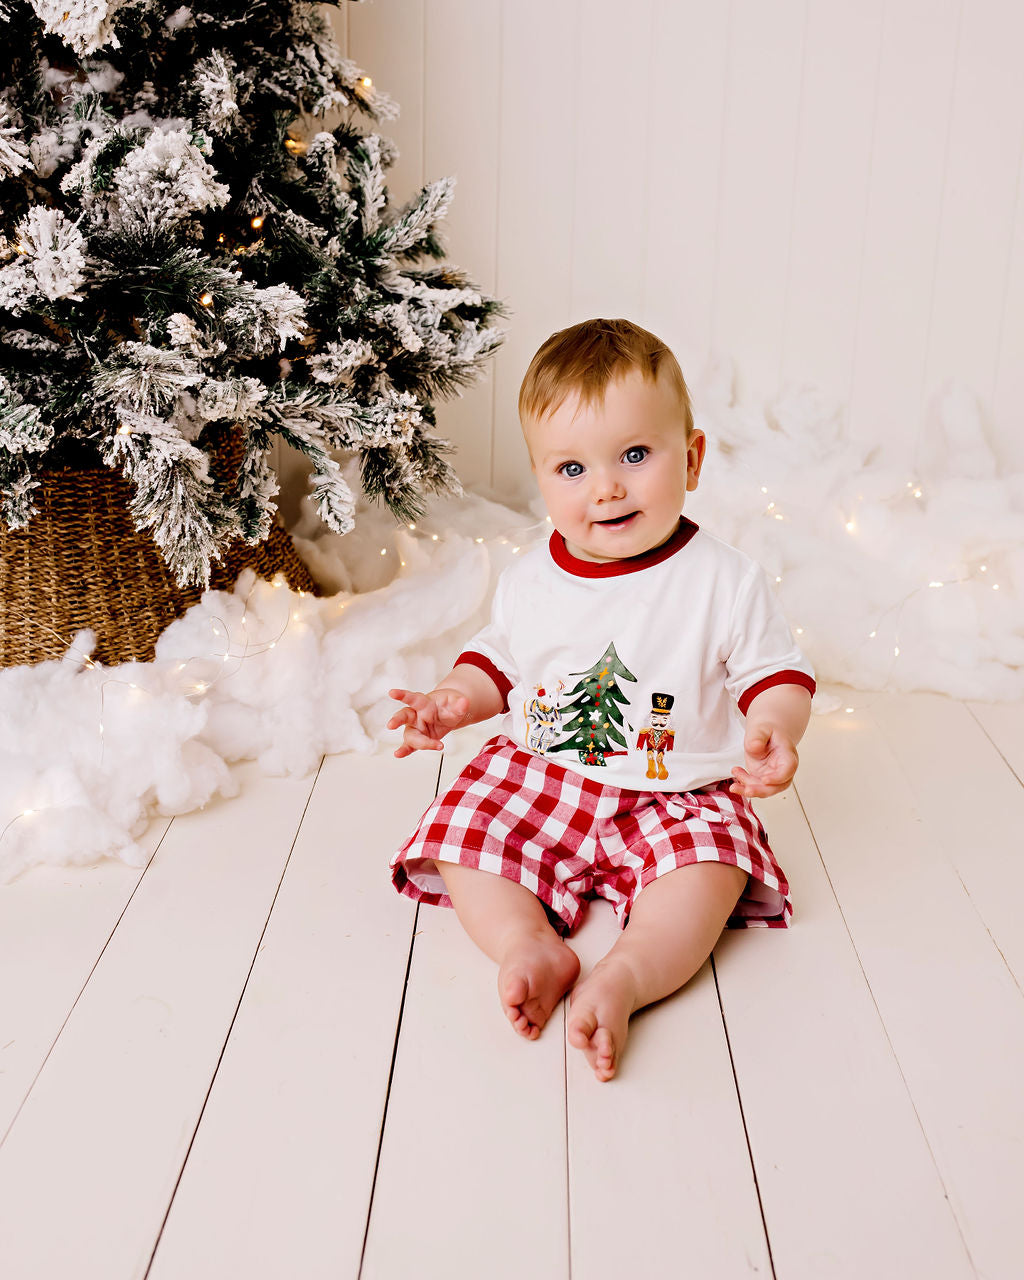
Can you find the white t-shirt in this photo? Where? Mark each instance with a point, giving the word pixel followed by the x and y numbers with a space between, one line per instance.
pixel 636 673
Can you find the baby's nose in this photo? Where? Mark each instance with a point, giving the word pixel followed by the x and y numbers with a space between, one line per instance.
pixel 605 485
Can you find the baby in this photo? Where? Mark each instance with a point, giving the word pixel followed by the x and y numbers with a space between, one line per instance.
pixel 650 687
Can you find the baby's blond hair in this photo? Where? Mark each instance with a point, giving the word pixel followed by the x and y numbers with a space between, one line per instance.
pixel 586 357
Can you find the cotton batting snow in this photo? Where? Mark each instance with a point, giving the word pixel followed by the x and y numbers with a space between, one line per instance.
pixel 88 756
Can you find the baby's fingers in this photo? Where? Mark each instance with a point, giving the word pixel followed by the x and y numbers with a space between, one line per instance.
pixel 414 740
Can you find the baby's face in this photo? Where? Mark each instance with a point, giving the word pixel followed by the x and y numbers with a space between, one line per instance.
pixel 614 476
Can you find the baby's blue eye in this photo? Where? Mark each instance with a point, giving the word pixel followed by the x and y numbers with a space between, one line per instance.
pixel 571 469
pixel 637 453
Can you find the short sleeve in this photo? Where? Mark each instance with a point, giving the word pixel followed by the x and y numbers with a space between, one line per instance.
pixel 489 649
pixel 761 651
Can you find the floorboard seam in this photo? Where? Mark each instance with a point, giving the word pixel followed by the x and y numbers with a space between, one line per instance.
pixel 743 1119
pixel 231 1024
pixel 81 991
pixel 885 1032
pixel 387 1092
pixel 568 1177
pixel 995 745
pixel 394 1054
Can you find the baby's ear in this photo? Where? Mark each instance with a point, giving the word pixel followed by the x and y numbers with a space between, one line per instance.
pixel 695 450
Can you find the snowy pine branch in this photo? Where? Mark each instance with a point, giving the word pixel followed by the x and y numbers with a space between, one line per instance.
pixel 176 260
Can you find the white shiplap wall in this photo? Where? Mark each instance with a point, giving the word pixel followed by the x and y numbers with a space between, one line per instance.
pixel 827 192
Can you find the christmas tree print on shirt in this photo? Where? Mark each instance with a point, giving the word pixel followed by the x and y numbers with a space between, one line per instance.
pixel 591 712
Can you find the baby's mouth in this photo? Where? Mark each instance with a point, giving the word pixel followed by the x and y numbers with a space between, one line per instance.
pixel 619 522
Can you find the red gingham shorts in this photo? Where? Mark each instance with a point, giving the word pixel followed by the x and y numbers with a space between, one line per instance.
pixel 567 838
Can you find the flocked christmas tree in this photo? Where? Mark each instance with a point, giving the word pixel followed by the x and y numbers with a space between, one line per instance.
pixel 183 257
pixel 592 719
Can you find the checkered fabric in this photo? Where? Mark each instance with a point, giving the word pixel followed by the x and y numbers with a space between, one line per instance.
pixel 567 838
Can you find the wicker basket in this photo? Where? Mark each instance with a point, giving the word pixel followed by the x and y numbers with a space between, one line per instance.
pixel 80 562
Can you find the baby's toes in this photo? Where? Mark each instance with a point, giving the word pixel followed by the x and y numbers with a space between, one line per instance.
pixel 582 1025
pixel 603 1049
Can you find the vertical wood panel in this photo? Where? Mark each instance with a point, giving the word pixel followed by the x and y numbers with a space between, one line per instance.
pixel 833 163
pixel 386 40
pixel 825 192
pixel 1008 398
pixel 612 157
pixel 462 58
pixel 758 165
pixel 904 198
pixel 537 158
pixel 976 230
pixel 687 105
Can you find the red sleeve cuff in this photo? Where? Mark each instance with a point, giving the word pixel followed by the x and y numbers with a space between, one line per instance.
pixel 769 682
pixel 501 681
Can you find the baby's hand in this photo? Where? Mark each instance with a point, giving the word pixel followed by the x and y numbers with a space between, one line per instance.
pixel 771 762
pixel 427 717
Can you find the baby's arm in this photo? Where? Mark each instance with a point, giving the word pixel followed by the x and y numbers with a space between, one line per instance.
pixel 776 720
pixel 465 696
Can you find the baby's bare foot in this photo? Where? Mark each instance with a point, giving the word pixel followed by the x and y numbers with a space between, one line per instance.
pixel 538 969
pixel 599 1015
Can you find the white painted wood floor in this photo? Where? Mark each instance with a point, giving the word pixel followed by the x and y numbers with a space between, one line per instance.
pixel 254 1060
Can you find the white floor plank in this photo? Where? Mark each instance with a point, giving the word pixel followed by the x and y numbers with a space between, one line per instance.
pixel 1004 724
pixel 660 1182
pixel 472 1168
pixel 89 1167
pixel 472 1175
pixel 278 1181
pixel 951 1008
pixel 54 924
pixel 973 811
pixel 823 1096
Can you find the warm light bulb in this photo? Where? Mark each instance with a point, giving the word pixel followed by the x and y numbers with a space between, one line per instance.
pixel 256 223
pixel 206 299
pixel 366 82
pixel 850 526
pixel 124 431
pixel 27 813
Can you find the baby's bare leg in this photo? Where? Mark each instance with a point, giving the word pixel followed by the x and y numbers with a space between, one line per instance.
pixel 509 924
pixel 674 924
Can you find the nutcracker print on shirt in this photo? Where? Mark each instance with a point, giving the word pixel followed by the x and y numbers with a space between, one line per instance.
pixel 589 720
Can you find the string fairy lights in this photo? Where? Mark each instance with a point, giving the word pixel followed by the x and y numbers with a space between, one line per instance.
pixel 200 674
pixel 851 526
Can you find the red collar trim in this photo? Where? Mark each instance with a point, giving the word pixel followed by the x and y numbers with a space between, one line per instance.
pixel 564 558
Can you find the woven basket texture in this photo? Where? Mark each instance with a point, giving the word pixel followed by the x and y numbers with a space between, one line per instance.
pixel 80 562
